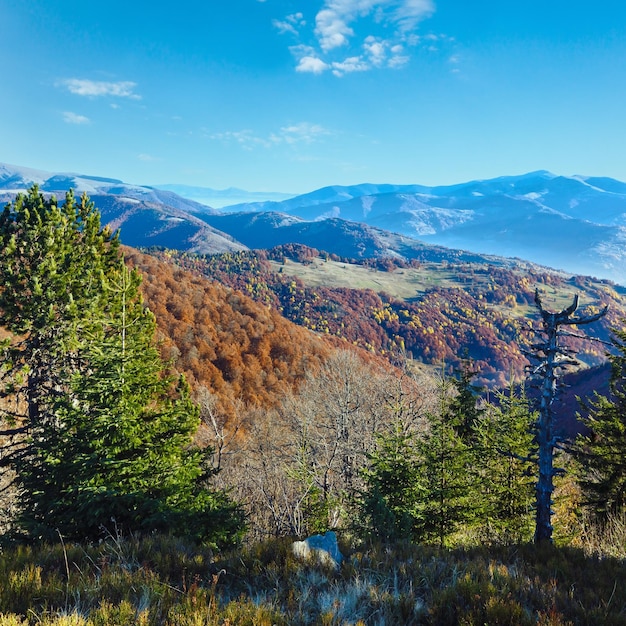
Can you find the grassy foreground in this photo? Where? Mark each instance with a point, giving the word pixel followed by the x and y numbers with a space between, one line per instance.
pixel 161 580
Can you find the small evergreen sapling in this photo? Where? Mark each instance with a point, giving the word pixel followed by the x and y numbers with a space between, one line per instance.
pixel 389 505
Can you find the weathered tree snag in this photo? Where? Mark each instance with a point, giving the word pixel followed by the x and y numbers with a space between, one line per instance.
pixel 553 358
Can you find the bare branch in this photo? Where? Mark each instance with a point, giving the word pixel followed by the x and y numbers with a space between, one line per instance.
pixel 13 431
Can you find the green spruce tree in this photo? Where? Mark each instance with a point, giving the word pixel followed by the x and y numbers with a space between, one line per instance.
pixel 601 451
pixel 447 486
pixel 463 405
pixel 505 463
pixel 107 436
pixel 389 506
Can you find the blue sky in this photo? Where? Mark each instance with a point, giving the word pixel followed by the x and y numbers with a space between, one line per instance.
pixel 287 95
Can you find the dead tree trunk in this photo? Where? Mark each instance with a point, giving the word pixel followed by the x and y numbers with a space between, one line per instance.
pixel 553 358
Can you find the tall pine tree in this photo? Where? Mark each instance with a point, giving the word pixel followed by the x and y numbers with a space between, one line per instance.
pixel 106 436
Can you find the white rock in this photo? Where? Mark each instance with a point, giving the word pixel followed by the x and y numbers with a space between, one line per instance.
pixel 323 548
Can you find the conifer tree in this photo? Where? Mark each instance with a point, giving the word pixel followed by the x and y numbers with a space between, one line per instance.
pixel 53 259
pixel 463 405
pixel 389 506
pixel 601 452
pixel 505 464
pixel 106 437
pixel 447 488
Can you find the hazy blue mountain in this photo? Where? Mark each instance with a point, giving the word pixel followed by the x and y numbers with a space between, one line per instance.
pixel 325 195
pixel 146 216
pixel 574 223
pixel 218 198
pixel 342 237
pixel 15 178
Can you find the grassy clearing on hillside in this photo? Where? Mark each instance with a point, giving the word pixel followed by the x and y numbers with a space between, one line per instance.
pixel 404 283
pixel 162 581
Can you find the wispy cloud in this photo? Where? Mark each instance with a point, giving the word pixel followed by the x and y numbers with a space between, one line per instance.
pixel 74 118
pixel 148 158
pixel 454 61
pixel 291 24
pixel 97 88
pixel 410 12
pixel 246 138
pixel 356 35
pixel 349 65
pixel 302 132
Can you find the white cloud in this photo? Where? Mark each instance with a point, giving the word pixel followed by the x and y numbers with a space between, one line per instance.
pixel 411 12
pixel 74 118
pixel 398 60
pixel 96 88
pixel 315 65
pixel 332 29
pixel 148 158
pixel 376 50
pixel 291 24
pixel 371 33
pixel 245 138
pixel 351 64
pixel 333 21
pixel 302 132
pixel 454 61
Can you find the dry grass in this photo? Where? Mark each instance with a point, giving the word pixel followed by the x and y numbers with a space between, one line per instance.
pixel 162 581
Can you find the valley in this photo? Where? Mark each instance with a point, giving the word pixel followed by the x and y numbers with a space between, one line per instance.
pixel 313 313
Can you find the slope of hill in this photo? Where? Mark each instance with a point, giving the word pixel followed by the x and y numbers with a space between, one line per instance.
pixel 436 312
pixel 145 223
pixel 146 216
pixel 222 340
pixel 341 237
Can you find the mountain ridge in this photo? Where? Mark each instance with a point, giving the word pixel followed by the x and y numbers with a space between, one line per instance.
pixel 573 223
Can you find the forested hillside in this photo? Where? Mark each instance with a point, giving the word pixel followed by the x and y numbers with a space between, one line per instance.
pixel 222 340
pixel 135 486
pixel 432 312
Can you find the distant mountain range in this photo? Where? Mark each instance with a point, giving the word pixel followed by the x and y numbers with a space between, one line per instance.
pixel 577 224
pixel 218 198
pixel 145 215
pixel 574 223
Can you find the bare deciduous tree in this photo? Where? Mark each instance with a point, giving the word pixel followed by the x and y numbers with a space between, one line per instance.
pixel 552 357
pixel 297 467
